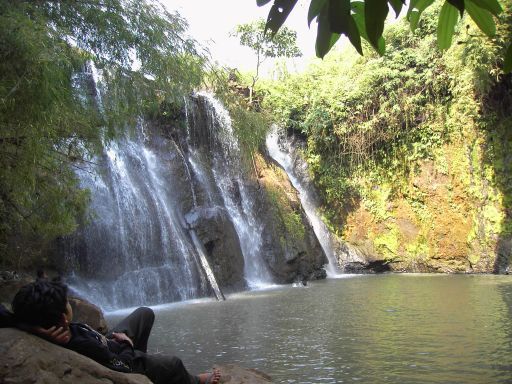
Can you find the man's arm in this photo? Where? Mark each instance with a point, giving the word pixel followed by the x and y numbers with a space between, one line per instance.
pixel 100 353
pixel 57 335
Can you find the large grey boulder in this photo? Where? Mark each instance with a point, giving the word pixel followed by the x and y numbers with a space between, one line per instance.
pixel 221 244
pixel 25 358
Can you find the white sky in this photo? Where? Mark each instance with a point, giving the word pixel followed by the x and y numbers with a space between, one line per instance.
pixel 211 21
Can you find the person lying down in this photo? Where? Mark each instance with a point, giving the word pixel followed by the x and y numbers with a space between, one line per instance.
pixel 42 308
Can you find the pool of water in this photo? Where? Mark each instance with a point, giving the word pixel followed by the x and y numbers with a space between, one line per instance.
pixel 368 329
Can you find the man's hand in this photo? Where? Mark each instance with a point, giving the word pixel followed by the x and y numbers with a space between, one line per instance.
pixel 121 337
pixel 57 335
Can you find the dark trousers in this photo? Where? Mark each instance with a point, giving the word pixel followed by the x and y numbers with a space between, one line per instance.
pixel 160 369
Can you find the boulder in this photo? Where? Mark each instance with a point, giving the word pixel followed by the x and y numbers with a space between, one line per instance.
pixel 220 240
pixel 25 358
pixel 88 313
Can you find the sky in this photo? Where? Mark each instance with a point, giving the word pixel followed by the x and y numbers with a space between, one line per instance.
pixel 210 23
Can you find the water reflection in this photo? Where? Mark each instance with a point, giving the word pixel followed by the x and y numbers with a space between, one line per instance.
pixel 371 329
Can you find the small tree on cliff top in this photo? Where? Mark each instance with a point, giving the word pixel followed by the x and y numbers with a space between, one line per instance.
pixel 282 44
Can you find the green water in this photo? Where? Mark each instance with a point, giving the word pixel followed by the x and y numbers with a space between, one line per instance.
pixel 366 329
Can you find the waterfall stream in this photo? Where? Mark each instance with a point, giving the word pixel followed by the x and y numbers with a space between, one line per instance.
pixel 226 169
pixel 138 247
pixel 281 153
pixel 136 250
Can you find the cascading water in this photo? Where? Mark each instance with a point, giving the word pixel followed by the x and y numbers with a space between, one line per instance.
pixel 168 213
pixel 226 168
pixel 280 152
pixel 136 250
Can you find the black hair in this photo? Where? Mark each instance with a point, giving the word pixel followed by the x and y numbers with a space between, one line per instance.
pixel 41 273
pixel 40 303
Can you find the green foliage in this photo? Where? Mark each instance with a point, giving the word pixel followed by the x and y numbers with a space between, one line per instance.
pixel 281 44
pixel 388 242
pixel 373 123
pixel 48 121
pixel 337 17
pixel 447 20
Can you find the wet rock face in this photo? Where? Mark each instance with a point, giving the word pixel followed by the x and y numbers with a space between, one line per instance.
pixel 354 259
pixel 290 246
pixel 220 240
pixel 170 185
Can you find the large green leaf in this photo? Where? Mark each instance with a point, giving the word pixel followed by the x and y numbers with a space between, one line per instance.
pixel 396 5
pixel 358 16
pixel 375 14
pixel 325 39
pixel 338 14
pixel 482 18
pixel 341 21
pixel 278 14
pixel 459 4
pixel 507 66
pixel 416 8
pixel 314 9
pixel 491 5
pixel 412 5
pixel 448 17
pixel 262 2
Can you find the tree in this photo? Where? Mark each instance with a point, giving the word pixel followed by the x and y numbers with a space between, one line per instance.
pixel 47 126
pixel 282 44
pixel 365 19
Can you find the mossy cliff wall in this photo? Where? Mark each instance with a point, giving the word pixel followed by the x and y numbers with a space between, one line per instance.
pixel 451 211
pixel 411 150
pixel 450 216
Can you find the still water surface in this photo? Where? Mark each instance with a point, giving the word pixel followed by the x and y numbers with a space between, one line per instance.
pixel 365 329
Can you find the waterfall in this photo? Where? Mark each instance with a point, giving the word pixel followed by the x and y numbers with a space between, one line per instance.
pixel 226 168
pixel 280 152
pixel 136 250
pixel 170 211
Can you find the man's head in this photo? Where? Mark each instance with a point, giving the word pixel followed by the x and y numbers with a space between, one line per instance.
pixel 42 303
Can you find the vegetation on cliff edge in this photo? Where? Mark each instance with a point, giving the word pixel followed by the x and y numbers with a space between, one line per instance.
pixel 409 149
